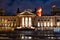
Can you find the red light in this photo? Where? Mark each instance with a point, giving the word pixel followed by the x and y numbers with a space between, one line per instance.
pixel 39 11
pixel 53 5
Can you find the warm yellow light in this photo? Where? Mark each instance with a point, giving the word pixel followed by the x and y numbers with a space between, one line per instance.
pixel 51 24
pixel 30 22
pixel 22 21
pixel 58 23
pixel 5 24
pixel 45 24
pixel 15 24
pixel 38 24
pixel 26 21
pixel 41 24
pixel 12 24
pixel 6 21
pixel 22 37
pixel 29 37
pixel 48 24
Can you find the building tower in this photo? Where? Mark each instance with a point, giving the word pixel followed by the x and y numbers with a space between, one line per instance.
pixel 55 11
pixel 18 11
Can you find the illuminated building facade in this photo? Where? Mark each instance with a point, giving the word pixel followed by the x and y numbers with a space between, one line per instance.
pixel 27 19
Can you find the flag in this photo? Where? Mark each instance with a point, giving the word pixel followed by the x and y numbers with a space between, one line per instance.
pixel 39 11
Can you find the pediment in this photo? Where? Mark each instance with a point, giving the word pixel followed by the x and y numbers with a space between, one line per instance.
pixel 26 13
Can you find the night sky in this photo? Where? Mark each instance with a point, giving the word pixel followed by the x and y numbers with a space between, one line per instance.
pixel 10 6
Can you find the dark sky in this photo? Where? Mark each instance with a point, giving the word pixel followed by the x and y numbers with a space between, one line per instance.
pixel 10 6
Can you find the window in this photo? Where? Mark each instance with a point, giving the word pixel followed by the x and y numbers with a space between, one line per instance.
pixel 38 20
pixel 41 24
pixel 5 24
pixel 51 23
pixel 14 19
pixel 48 20
pixel 15 24
pixel 38 24
pixel 44 24
pixel 22 37
pixel 48 24
pixel 11 24
pixel 8 25
pixel 29 37
pixel 58 20
pixel 58 23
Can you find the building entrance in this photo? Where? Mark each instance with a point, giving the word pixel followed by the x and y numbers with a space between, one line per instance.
pixel 26 22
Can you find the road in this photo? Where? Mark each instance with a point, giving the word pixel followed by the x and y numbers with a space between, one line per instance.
pixel 30 35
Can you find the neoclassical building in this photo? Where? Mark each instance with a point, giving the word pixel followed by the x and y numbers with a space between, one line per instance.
pixel 27 19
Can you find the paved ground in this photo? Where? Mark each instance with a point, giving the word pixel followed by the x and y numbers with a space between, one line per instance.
pixel 30 35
